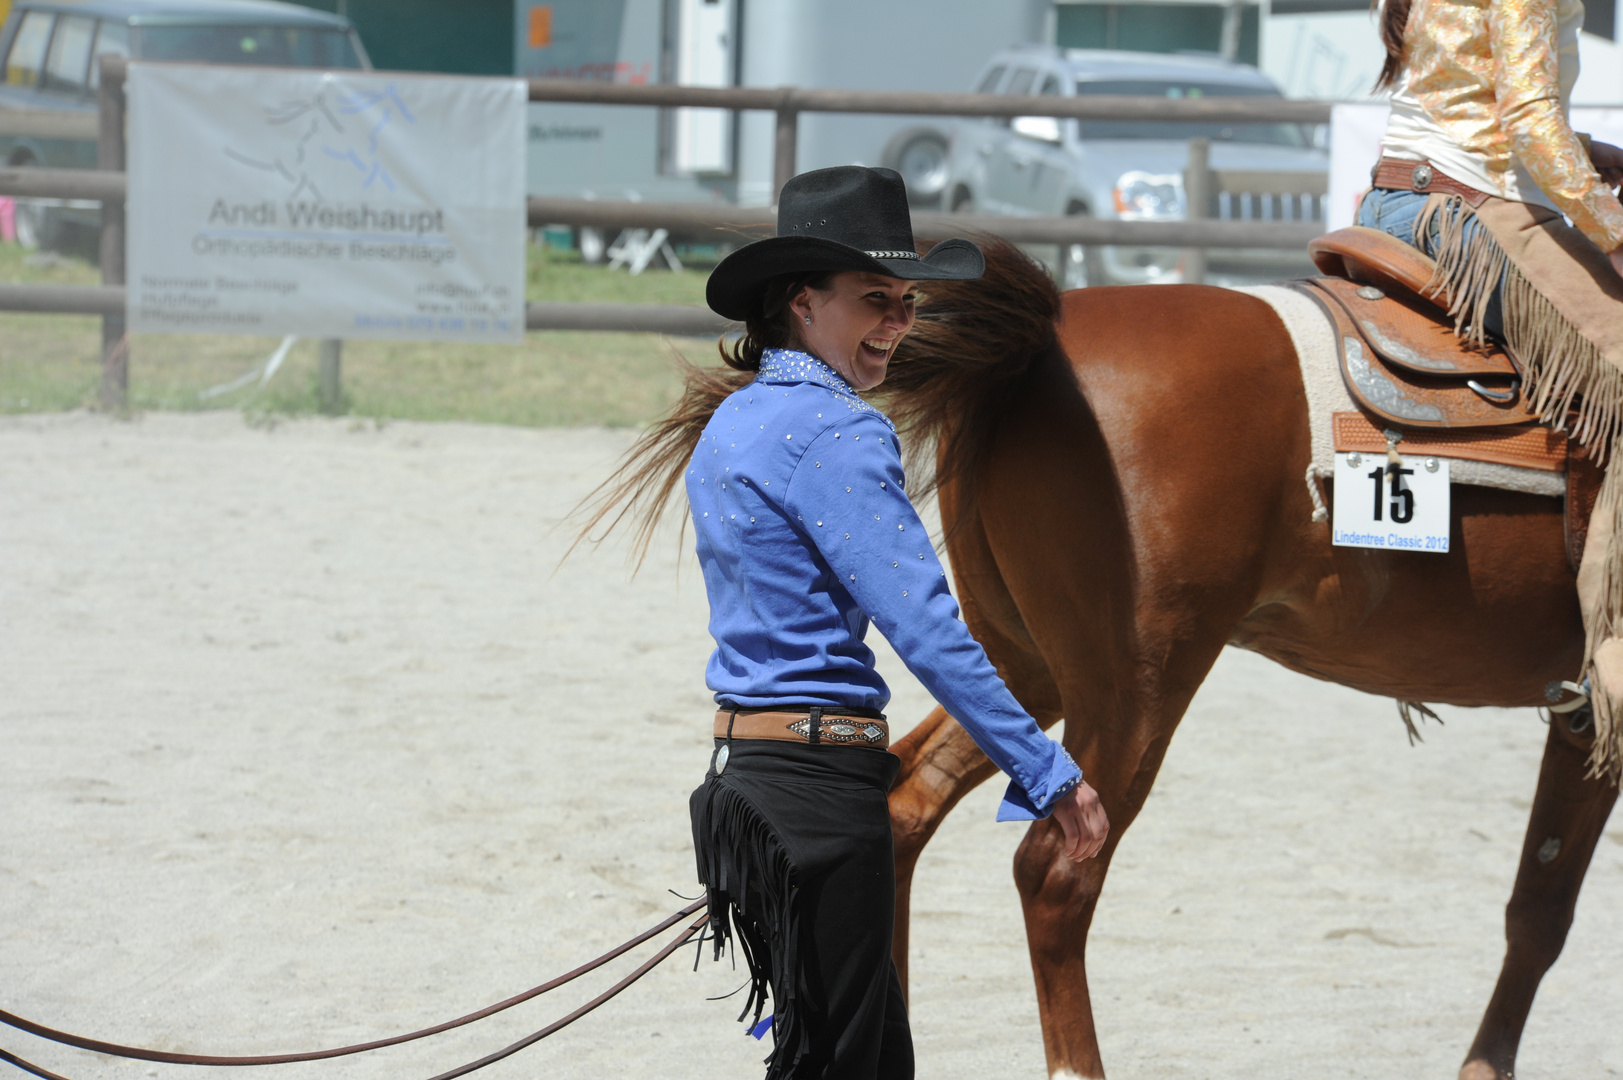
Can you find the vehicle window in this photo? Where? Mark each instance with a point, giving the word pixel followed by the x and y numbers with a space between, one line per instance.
pixel 989 84
pixel 113 39
pixel 272 46
pixel 70 52
pixel 1050 86
pixel 27 54
pixel 1271 134
pixel 1021 83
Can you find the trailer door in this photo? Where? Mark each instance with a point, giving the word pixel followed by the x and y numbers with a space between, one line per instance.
pixel 706 43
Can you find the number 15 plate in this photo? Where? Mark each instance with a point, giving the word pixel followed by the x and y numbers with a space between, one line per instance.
pixel 1402 509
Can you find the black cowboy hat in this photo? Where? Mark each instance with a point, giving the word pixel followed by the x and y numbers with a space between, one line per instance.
pixel 845 218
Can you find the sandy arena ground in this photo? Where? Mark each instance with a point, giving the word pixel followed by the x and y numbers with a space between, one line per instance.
pixel 306 742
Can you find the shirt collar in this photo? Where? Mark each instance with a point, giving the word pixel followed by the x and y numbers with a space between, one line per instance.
pixel 794 366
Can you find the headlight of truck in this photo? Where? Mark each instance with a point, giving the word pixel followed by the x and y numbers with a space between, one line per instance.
pixel 1140 195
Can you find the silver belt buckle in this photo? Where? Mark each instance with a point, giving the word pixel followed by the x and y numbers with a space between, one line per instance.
pixel 1421 179
pixel 839 731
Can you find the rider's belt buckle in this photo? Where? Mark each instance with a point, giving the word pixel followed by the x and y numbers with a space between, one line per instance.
pixel 1421 179
pixel 840 732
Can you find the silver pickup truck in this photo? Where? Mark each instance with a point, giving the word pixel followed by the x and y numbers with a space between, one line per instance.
pixel 1130 170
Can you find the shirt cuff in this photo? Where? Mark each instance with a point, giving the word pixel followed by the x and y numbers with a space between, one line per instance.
pixel 1020 804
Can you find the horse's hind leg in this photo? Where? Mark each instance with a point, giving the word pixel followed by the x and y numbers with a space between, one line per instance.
pixel 1568 815
pixel 1121 758
pixel 940 762
pixel 1134 607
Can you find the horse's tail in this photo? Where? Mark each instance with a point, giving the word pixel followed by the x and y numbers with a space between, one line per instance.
pixel 646 480
pixel 971 350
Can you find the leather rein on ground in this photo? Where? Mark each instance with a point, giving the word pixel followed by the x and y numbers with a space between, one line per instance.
pixel 142 1054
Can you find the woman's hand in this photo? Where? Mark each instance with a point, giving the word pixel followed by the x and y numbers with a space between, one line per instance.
pixel 1608 161
pixel 1617 260
pixel 1083 821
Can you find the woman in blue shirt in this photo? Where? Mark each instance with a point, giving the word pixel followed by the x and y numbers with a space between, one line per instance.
pixel 805 534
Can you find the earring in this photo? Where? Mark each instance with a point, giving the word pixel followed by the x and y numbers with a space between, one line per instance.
pixel 808 320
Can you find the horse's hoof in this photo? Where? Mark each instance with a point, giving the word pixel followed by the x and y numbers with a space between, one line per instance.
pixel 1481 1070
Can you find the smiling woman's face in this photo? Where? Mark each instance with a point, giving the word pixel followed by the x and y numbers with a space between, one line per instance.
pixel 856 323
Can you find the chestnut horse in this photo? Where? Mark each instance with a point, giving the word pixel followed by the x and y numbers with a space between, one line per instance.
pixel 1074 444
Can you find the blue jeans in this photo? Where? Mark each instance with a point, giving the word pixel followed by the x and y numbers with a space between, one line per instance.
pixel 1394 213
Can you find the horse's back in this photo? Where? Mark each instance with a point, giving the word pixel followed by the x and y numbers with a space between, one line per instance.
pixel 1175 330
pixel 1199 397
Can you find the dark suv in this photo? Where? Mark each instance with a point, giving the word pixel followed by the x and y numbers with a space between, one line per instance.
pixel 48 69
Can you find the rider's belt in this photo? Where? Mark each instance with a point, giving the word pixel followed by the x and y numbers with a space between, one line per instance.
pixel 821 727
pixel 1395 174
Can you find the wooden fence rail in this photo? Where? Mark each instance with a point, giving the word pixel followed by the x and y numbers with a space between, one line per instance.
pixel 789 102
pixel 746 223
pixel 107 184
pixel 675 319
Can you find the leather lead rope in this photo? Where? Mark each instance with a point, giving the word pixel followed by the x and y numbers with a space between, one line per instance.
pixel 143 1054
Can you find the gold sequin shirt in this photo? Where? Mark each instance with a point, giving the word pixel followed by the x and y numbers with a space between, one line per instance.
pixel 1483 96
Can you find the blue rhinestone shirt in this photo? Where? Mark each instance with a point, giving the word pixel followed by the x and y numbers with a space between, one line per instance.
pixel 805 533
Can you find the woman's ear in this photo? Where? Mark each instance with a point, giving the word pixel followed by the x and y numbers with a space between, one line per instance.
pixel 800 304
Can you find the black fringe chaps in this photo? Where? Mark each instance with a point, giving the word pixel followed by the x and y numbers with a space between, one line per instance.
pixel 794 849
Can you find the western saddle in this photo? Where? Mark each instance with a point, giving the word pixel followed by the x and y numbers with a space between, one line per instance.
pixel 1417 384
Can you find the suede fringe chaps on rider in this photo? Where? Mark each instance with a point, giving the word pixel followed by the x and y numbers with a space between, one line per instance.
pixel 794 849
pixel 1563 321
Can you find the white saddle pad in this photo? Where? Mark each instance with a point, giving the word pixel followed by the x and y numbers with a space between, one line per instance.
pixel 1314 338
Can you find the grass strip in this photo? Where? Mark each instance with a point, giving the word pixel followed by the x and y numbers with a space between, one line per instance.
pixel 51 363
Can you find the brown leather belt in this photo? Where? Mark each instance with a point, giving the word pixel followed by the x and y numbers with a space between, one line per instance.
pixel 819 727
pixel 1396 174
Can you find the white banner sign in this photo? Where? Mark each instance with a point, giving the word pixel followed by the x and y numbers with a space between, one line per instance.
pixel 325 204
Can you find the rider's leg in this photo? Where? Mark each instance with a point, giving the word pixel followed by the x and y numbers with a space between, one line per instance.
pixel 1397 214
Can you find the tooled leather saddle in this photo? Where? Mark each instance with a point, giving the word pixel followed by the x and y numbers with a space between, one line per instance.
pixel 1416 384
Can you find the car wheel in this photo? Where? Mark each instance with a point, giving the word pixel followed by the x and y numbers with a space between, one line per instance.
pixel 36 225
pixel 920 155
pixel 30 224
pixel 1081 265
pixel 39 228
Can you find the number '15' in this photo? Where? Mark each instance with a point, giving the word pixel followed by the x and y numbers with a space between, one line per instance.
pixel 1402 497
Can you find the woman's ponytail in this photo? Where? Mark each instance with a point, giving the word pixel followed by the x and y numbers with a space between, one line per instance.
pixel 642 486
pixel 1394 18
pixel 772 326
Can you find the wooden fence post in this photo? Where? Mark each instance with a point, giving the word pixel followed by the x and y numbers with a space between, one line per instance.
pixel 110 157
pixel 331 392
pixel 1197 193
pixel 784 144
